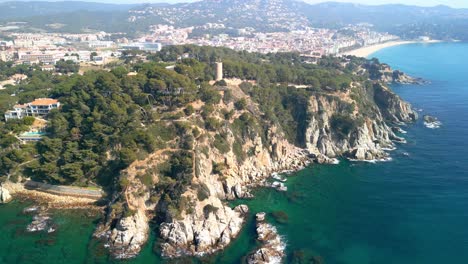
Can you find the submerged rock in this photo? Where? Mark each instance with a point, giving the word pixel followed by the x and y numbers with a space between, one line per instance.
pixel 41 222
pixel 280 217
pixel 5 196
pixel 272 247
pixel 278 177
pixel 397 129
pixel 431 122
pixel 279 186
pixel 430 119
pixel 31 209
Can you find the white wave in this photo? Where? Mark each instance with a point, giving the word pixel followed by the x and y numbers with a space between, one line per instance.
pixel 389 149
pixel 387 159
pixel 433 125
pixel 278 177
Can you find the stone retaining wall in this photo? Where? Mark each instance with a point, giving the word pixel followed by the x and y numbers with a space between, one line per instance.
pixel 64 190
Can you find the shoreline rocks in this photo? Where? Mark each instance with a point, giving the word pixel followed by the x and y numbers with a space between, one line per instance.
pixel 5 196
pixel 41 222
pixel 193 237
pixel 272 247
pixel 431 122
pixel 129 236
pixel 55 201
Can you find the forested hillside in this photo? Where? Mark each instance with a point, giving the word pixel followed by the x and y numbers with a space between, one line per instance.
pixel 109 119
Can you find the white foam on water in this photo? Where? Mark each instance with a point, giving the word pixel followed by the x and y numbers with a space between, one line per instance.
pixel 433 125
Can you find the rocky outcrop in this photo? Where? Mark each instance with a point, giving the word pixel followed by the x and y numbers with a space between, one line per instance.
pixel 334 130
pixel 41 222
pixel 129 235
pixel 272 247
pixel 431 122
pixel 202 234
pixel 5 196
pixel 392 107
pixel 124 234
pixel 399 77
pixel 388 75
pixel 358 123
pixel 199 233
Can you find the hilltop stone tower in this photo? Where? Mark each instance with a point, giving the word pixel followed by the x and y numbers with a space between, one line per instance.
pixel 219 71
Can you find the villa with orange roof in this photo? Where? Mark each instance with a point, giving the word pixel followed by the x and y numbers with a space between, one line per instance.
pixel 39 107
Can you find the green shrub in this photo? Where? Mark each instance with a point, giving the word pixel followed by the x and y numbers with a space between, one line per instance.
pixel 212 124
pixel 227 98
pixel 238 151
pixel 241 104
pixel 221 83
pixel 124 182
pixel 343 124
pixel 218 168
pixel 221 143
pixel 203 192
pixel 189 110
pixel 228 114
pixel 209 95
pixel 246 87
pixel 207 110
pixel 146 179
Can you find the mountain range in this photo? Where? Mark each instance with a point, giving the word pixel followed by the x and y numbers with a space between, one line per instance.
pixel 440 22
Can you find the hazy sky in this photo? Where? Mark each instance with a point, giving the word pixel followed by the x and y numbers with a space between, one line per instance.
pixel 452 3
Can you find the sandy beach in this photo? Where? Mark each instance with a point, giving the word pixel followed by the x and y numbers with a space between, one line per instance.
pixel 367 51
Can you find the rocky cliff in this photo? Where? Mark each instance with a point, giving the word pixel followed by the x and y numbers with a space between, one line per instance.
pixel 213 224
pixel 357 123
pixel 232 150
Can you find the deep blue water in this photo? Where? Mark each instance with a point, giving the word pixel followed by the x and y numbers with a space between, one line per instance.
pixel 413 209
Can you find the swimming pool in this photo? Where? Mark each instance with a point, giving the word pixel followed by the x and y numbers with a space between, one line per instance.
pixel 32 134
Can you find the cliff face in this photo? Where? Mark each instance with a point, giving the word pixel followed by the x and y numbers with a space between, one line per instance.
pixel 243 152
pixel 341 126
pixel 206 231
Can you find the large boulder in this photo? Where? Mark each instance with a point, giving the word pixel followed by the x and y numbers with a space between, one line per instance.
pixel 129 236
pixel 5 196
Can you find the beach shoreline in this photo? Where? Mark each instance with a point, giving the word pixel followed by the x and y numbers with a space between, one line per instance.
pixel 49 200
pixel 369 50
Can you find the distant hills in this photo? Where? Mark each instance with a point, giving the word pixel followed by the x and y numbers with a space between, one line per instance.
pixel 264 15
pixel 21 9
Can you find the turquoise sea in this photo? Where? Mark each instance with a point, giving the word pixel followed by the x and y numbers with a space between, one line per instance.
pixel 413 209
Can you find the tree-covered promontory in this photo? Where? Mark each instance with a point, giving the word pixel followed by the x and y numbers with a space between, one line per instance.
pixel 110 118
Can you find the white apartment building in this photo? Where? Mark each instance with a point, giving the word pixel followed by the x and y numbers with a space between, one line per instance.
pixel 39 107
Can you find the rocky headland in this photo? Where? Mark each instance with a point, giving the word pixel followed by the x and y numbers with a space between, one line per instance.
pixel 271 250
pixel 358 123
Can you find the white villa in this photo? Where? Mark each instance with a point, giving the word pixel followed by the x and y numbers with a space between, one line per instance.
pixel 39 107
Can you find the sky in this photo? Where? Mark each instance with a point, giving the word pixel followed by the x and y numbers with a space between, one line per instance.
pixel 452 3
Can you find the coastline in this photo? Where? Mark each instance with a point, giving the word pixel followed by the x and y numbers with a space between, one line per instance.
pixel 369 50
pixel 51 201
